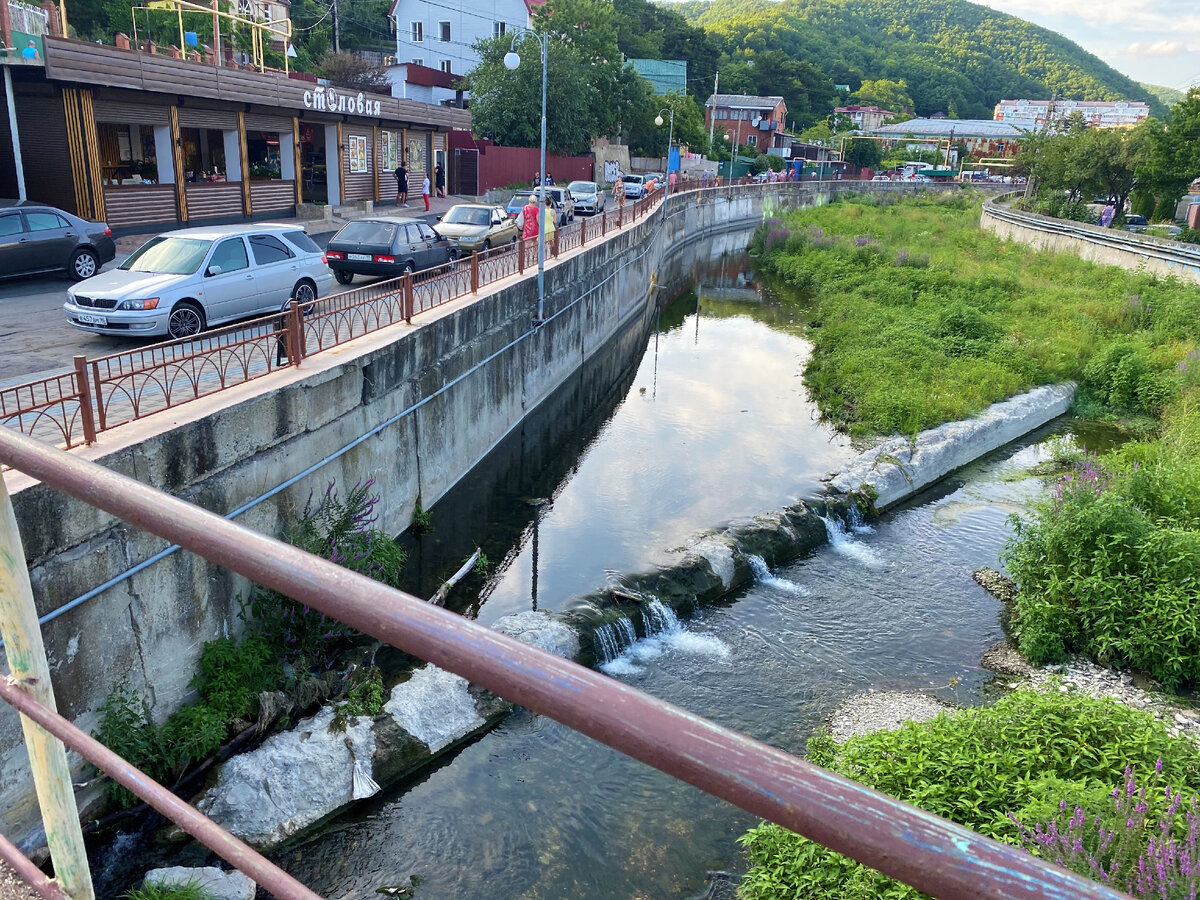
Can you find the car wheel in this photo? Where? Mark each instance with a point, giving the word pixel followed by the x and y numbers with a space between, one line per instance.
pixel 487 244
pixel 84 264
pixel 409 268
pixel 342 276
pixel 186 319
pixel 305 293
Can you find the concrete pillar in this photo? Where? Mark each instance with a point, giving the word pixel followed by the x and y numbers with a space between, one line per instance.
pixel 233 155
pixel 287 158
pixel 12 128
pixel 333 160
pixel 164 154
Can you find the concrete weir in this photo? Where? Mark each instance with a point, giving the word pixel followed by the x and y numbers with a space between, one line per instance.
pixel 414 408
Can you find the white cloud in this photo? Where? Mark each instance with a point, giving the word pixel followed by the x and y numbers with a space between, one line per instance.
pixel 1147 49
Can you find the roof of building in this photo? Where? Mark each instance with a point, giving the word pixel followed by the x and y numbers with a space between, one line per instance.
pixel 874 109
pixel 943 128
pixel 743 101
pixel 1131 103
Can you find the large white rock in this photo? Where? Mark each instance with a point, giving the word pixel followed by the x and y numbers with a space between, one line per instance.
pixel 899 468
pixel 434 706
pixel 218 884
pixel 293 780
pixel 718 550
pixel 541 630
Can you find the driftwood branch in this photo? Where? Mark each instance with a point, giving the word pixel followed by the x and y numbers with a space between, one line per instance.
pixel 443 592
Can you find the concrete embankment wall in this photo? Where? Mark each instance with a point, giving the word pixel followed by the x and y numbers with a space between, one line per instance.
pixel 431 401
pixel 1107 246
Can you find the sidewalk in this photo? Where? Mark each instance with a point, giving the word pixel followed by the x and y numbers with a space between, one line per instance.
pixel 126 244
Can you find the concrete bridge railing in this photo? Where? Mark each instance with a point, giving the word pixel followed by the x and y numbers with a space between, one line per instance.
pixel 1106 246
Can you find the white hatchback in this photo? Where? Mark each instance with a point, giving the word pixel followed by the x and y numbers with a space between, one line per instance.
pixel 184 281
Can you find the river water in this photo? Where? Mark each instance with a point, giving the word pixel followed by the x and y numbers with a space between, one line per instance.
pixel 703 422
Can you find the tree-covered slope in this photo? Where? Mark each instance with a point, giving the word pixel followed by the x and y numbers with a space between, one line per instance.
pixel 956 57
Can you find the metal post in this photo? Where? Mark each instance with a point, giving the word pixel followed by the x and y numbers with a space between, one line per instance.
pixel 86 415
pixel 475 273
pixel 409 297
pixel 30 671
pixel 16 138
pixel 544 41
pixel 295 333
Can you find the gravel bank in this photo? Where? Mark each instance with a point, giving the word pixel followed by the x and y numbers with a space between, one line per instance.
pixel 882 711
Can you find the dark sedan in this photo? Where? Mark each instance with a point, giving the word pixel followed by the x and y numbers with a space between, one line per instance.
pixel 35 238
pixel 387 246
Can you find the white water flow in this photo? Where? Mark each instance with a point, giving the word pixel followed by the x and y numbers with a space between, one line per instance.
pixel 843 543
pixel 764 576
pixel 664 634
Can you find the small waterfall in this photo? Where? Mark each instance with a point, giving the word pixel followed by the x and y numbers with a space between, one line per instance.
pixel 854 518
pixel 613 639
pixel 663 632
pixel 763 575
pixel 843 543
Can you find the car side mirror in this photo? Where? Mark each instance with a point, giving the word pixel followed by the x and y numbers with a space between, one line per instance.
pixel 439 218
pixel 214 269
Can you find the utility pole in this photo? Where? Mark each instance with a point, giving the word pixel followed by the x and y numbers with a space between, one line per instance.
pixel 337 44
pixel 712 123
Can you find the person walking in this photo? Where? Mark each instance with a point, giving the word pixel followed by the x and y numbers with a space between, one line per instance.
pixel 425 190
pixel 527 221
pixel 439 180
pixel 549 219
pixel 618 192
pixel 401 174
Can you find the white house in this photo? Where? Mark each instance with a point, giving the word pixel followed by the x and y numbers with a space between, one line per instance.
pixel 439 34
pixel 1031 114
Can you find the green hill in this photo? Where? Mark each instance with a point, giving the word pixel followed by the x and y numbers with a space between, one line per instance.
pixel 955 57
pixel 1166 95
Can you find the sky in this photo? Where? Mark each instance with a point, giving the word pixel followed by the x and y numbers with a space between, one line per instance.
pixel 1156 41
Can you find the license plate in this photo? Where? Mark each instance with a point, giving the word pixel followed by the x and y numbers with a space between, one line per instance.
pixel 90 319
pixel 359 257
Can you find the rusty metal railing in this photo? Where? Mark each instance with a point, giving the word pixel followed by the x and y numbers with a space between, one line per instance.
pixel 934 855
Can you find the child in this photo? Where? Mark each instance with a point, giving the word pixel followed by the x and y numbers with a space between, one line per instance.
pixel 425 191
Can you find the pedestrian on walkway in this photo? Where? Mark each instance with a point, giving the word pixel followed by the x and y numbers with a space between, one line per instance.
pixel 549 217
pixel 425 190
pixel 618 192
pixel 439 180
pixel 401 174
pixel 527 221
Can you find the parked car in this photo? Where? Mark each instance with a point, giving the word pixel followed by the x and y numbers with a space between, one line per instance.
pixel 635 186
pixel 563 202
pixel 589 198
pixel 474 226
pixel 183 281
pixel 517 203
pixel 881 178
pixel 35 238
pixel 1135 223
pixel 388 246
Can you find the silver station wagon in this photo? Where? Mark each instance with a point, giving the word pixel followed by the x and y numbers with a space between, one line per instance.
pixel 184 281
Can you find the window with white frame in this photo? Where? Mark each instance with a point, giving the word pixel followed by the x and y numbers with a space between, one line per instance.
pixel 418 32
pixel 752 140
pixel 444 32
pixel 499 28
pixel 444 65
pixel 417 62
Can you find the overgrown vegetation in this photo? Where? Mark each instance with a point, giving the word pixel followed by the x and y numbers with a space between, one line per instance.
pixel 918 317
pixel 286 648
pixel 189 891
pixel 1024 757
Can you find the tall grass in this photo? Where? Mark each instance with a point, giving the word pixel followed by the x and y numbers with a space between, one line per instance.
pixel 920 317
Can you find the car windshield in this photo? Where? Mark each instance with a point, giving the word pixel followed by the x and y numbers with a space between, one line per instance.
pixel 555 193
pixel 519 200
pixel 582 187
pixel 366 233
pixel 168 256
pixel 468 215
pixel 632 179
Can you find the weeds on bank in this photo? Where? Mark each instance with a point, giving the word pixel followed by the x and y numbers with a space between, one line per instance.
pixel 285 644
pixel 1018 761
pixel 919 317
pixel 188 891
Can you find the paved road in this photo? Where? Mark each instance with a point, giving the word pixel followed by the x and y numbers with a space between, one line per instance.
pixel 35 337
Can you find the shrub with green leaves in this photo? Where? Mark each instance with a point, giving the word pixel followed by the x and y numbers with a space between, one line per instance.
pixel 1025 754
pixel 1109 564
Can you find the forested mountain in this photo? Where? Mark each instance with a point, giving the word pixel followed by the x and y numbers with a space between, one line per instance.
pixel 1167 96
pixel 954 57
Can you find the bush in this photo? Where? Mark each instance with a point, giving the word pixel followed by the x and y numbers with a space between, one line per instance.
pixel 976 767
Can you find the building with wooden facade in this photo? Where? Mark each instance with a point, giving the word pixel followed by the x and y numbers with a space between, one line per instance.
pixel 139 139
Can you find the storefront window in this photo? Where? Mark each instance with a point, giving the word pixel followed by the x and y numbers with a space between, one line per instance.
pixel 127 154
pixel 262 152
pixel 203 151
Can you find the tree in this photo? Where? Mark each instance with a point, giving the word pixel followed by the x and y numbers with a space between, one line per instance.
pixel 884 93
pixel 689 125
pixel 347 70
pixel 1174 158
pixel 863 153
pixel 1121 155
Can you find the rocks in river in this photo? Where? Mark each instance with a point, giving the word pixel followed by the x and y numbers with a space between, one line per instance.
pixel 216 883
pixel 998 585
pixel 882 711
pixel 541 630
pixel 1004 659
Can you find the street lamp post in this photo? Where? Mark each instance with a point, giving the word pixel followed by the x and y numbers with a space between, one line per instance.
pixel 732 154
pixel 658 120
pixel 511 61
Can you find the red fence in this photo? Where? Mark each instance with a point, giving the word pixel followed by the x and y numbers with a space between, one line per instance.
pixel 501 166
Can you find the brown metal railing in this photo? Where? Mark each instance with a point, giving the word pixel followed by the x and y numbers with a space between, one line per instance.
pixel 71 408
pixel 934 855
